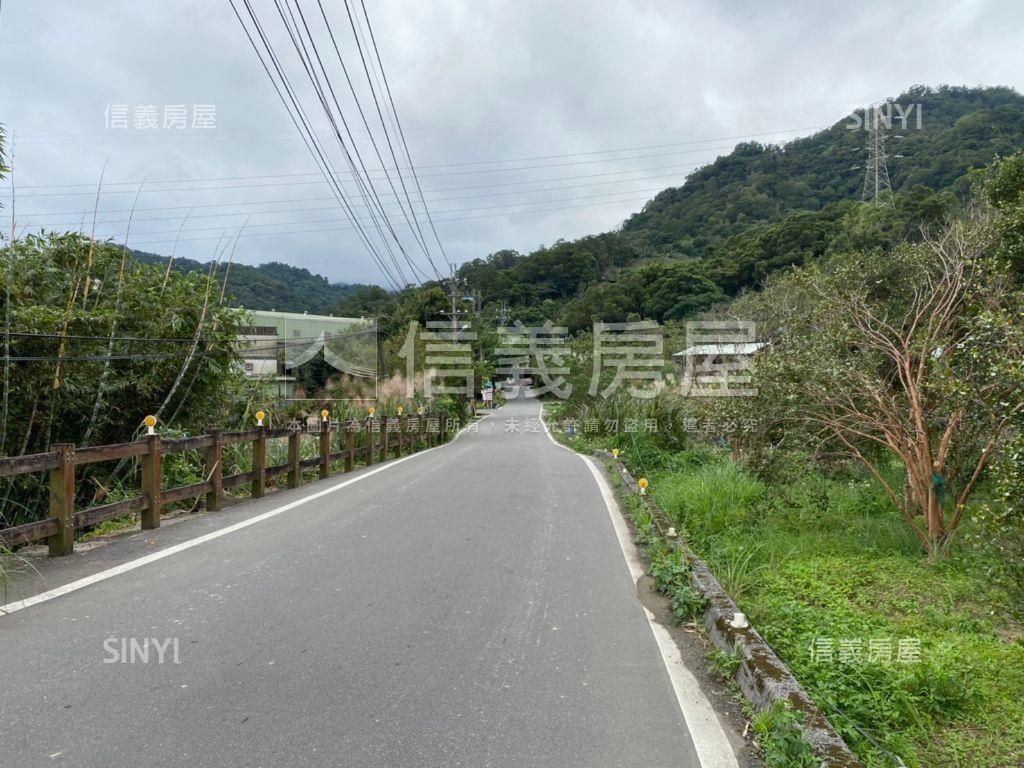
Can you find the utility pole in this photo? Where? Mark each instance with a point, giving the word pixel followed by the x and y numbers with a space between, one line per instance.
pixel 877 188
pixel 453 293
pixel 455 313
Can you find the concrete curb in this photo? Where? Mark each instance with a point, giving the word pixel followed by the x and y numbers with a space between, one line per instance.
pixel 762 676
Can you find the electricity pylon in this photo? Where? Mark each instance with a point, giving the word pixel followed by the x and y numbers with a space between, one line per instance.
pixel 877 188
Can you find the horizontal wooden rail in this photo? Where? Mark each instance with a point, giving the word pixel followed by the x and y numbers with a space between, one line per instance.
pixel 186 492
pixel 29 532
pixel 339 443
pixel 110 452
pixel 278 469
pixel 180 444
pixel 230 438
pixel 23 465
pixel 233 481
pixel 95 515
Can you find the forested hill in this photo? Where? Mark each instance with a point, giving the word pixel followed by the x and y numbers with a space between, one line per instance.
pixel 269 286
pixel 759 209
pixel 960 128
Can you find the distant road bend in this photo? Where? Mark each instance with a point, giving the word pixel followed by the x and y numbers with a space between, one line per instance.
pixel 465 606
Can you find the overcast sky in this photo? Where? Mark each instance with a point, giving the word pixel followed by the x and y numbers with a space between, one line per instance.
pixel 527 121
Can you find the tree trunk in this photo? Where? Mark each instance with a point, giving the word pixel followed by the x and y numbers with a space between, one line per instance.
pixel 936 520
pixel 925 501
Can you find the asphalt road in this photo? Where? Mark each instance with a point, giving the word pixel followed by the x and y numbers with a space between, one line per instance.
pixel 467 606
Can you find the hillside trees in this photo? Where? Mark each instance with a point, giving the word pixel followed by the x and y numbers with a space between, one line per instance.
pixel 912 356
pixel 961 128
pixel 662 291
pixel 270 286
pixel 1004 191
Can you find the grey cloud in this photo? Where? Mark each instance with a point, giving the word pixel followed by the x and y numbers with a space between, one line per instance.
pixel 473 82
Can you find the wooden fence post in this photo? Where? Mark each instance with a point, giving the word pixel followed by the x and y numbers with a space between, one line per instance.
pixel 443 427
pixel 62 500
pixel 325 449
pixel 259 462
pixel 152 482
pixel 213 470
pixel 369 441
pixel 294 439
pixel 384 438
pixel 350 447
pixel 401 436
pixel 422 428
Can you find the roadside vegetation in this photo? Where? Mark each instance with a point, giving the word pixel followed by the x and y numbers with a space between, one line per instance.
pixel 863 509
pixel 913 658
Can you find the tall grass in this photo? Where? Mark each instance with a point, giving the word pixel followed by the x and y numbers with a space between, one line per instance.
pixel 709 496
pixel 815 556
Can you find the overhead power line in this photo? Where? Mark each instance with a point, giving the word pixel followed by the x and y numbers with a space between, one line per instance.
pixel 302 125
pixel 364 184
pixel 418 233
pixel 398 125
pixel 364 220
pixel 248 212
pixel 150 183
pixel 452 219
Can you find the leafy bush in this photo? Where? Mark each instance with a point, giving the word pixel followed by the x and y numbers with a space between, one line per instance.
pixel 669 570
pixel 782 744
pixel 687 604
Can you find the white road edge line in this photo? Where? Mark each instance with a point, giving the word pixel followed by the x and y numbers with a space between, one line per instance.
pixel 131 565
pixel 710 741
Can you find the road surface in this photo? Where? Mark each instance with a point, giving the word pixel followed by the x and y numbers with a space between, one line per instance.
pixel 466 606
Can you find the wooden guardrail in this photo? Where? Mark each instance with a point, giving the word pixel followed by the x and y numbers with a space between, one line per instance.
pixel 371 440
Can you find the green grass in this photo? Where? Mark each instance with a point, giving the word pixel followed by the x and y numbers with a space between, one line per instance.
pixel 830 560
pixel 108 527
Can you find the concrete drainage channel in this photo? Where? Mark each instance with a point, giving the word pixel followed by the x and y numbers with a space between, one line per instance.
pixel 761 676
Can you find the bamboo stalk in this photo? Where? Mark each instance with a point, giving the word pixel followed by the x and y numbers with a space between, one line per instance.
pixel 174 249
pixel 74 292
pixel 195 338
pixel 113 325
pixel 92 236
pixel 231 256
